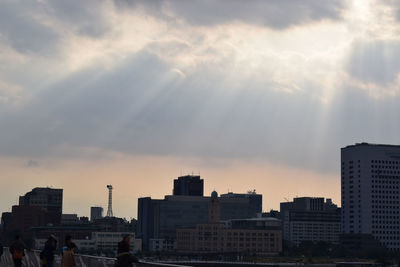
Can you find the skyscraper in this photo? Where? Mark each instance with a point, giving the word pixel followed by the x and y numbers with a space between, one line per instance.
pixel 189 185
pixel 370 192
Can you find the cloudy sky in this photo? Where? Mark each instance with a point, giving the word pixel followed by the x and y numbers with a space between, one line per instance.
pixel 256 94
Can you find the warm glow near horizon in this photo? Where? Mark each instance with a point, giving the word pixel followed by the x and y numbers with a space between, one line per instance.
pixel 84 184
pixel 257 95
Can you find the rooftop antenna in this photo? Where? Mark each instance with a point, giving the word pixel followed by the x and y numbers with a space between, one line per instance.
pixel 109 210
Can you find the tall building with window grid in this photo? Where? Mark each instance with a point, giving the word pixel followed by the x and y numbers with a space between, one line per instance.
pixel 370 180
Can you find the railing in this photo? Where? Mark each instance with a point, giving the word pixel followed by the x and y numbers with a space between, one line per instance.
pixel 32 259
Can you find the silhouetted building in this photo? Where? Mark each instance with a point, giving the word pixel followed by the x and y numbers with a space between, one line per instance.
pixel 49 199
pixel 254 199
pixel 272 214
pixel 114 224
pixel 69 219
pixel 310 219
pixel 370 192
pixel 158 219
pixel 39 207
pixel 96 213
pixel 23 218
pixel 188 185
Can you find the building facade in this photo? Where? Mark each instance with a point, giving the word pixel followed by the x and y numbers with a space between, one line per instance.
pixel 188 185
pixel 49 199
pixel 262 236
pixel 160 218
pixel 310 219
pixel 96 213
pixel 370 179
pixel 108 241
pixel 86 240
pixel 69 219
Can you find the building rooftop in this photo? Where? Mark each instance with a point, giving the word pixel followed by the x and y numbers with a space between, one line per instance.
pixel 370 144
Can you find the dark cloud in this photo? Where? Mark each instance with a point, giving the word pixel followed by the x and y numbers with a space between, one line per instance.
pixel 278 14
pixel 32 164
pixel 375 61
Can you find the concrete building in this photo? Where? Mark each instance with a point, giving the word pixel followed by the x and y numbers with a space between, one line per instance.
pixel 39 207
pixel 188 185
pixel 159 218
pixel 262 236
pixel 370 192
pixel 69 219
pixel 96 213
pixel 310 219
pixel 86 240
pixel 108 241
pixel 254 199
pixel 160 244
pixel 49 199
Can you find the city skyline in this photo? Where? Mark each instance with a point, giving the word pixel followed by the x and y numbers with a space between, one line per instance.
pixel 135 93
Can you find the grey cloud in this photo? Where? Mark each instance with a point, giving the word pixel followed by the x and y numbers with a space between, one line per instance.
pixel 278 14
pixel 375 61
pixel 21 24
pixel 395 5
pixel 32 163
pixel 88 17
pixel 142 107
pixel 21 30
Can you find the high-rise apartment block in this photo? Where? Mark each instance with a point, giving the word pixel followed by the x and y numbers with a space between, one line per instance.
pixel 370 192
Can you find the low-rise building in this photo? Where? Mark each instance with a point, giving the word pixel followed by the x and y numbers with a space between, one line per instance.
pixel 160 244
pixel 261 236
pixel 108 241
pixel 86 237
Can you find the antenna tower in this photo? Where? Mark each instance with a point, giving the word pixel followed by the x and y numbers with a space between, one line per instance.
pixel 109 210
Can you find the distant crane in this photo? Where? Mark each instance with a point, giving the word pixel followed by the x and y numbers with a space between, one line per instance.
pixel 109 210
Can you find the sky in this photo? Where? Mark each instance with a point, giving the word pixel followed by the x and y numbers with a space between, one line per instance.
pixel 256 94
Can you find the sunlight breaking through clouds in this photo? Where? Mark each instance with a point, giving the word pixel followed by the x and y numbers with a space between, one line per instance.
pixel 275 82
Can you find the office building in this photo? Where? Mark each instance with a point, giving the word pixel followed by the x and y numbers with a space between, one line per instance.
pixel 159 219
pixel 108 241
pixel 39 207
pixel 49 199
pixel 254 199
pixel 69 219
pixel 261 236
pixel 86 238
pixel 370 192
pixel 188 185
pixel 96 213
pixel 310 219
